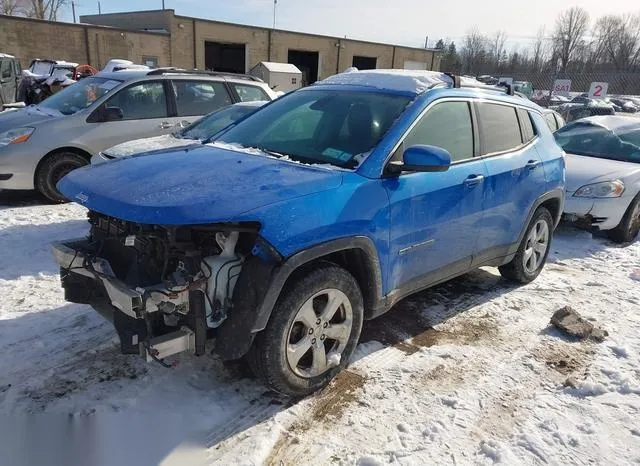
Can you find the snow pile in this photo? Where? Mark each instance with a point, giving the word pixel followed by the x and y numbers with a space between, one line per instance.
pixel 467 373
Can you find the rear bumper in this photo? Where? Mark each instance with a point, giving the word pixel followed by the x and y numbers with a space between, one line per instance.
pixel 595 214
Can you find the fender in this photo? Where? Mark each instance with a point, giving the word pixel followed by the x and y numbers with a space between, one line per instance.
pixel 260 285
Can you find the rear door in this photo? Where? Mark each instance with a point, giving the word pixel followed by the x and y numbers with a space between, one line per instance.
pixel 144 107
pixel 196 98
pixel 515 176
pixel 435 217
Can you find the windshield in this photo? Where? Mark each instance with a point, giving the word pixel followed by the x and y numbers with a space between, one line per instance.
pixel 42 68
pixel 214 122
pixel 320 126
pixel 80 95
pixel 583 138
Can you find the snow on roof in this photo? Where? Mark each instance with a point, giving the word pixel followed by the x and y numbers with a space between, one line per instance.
pixel 6 55
pixel 414 81
pixel 281 67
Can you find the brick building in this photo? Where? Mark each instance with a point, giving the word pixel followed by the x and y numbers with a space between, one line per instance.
pixel 163 38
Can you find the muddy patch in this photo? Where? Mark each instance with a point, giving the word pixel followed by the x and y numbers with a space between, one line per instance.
pixel 330 403
pixel 566 358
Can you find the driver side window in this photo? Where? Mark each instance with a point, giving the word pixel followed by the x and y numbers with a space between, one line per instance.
pixel 446 125
pixel 141 101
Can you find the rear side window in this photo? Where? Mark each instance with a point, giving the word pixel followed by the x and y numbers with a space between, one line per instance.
pixel 250 93
pixel 526 125
pixel 446 125
pixel 6 70
pixel 551 121
pixel 560 121
pixel 499 128
pixel 194 98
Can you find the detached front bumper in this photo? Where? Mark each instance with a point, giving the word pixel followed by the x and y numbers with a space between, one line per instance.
pixel 595 214
pixel 89 280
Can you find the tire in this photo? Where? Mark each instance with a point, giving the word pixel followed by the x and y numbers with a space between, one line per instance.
pixel 530 258
pixel 629 225
pixel 272 356
pixel 53 169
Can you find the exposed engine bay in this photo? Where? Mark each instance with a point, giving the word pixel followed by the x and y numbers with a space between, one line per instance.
pixel 165 280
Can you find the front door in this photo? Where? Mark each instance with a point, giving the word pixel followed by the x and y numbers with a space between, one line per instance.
pixel 144 110
pixel 435 216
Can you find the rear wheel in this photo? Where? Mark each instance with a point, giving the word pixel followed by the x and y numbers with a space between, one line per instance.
pixel 533 250
pixel 53 169
pixel 312 332
pixel 629 226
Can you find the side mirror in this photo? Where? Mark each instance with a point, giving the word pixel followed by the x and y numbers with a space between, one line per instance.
pixel 112 114
pixel 422 158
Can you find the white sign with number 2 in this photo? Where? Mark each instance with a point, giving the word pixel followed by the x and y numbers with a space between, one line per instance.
pixel 598 90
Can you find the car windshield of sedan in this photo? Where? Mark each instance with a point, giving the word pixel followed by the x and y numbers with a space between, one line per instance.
pixel 80 95
pixel 584 138
pixel 320 126
pixel 216 121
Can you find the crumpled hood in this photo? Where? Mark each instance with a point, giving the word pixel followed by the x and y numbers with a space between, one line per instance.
pixel 583 170
pixel 166 141
pixel 192 186
pixel 24 117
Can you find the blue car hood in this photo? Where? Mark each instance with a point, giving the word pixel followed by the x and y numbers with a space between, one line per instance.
pixel 202 185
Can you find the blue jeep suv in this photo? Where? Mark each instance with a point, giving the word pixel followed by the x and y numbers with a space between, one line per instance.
pixel 323 208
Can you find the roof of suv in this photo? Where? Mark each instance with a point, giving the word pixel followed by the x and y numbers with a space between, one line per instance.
pixel 130 74
pixel 417 82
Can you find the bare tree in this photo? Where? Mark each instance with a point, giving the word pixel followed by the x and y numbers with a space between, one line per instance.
pixel 45 9
pixel 571 26
pixel 12 7
pixel 540 50
pixel 497 45
pixel 473 51
pixel 618 41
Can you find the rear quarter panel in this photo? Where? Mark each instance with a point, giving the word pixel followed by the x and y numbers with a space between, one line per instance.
pixel 551 154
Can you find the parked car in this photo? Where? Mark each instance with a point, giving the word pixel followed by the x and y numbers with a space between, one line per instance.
pixel 575 110
pixel 41 143
pixel 323 208
pixel 554 119
pixel 625 105
pixel 554 100
pixel 203 129
pixel 10 73
pixel 603 174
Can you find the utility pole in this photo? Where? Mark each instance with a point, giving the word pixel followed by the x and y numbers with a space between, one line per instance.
pixel 99 10
pixel 73 9
pixel 426 43
pixel 163 4
pixel 275 3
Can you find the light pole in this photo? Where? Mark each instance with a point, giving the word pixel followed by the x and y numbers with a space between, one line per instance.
pixel 275 3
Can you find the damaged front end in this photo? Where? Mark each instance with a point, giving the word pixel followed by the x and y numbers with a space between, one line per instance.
pixel 165 288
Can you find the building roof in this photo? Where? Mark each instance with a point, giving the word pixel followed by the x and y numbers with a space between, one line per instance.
pixel 280 67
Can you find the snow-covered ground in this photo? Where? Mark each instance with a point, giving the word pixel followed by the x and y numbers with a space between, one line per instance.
pixel 466 373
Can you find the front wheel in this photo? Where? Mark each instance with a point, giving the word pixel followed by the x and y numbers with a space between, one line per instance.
pixel 312 333
pixel 629 226
pixel 53 169
pixel 533 250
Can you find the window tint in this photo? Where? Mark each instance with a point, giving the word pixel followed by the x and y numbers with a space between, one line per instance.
pixel 140 101
pixel 195 98
pixel 446 125
pixel 499 128
pixel 551 121
pixel 250 93
pixel 528 130
pixel 5 68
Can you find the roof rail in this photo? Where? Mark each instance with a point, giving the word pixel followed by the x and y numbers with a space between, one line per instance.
pixel 457 83
pixel 222 74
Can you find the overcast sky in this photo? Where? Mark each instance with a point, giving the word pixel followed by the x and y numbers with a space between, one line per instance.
pixel 406 22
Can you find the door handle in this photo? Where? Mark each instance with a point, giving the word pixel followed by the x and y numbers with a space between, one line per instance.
pixel 473 180
pixel 531 164
pixel 166 125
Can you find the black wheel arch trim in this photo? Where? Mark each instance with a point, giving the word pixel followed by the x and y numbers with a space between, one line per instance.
pixel 294 262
